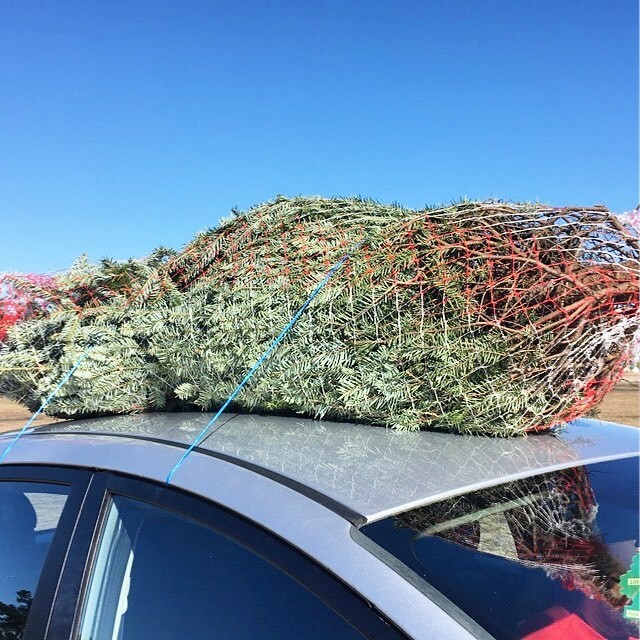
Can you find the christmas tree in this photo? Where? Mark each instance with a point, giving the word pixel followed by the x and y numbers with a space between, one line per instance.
pixel 478 317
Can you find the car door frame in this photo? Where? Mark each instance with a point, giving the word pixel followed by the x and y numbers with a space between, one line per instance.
pixel 78 481
pixel 66 614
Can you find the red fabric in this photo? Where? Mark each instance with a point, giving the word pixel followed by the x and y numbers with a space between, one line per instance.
pixel 564 626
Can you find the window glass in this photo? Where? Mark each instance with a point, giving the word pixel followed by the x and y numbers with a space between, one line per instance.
pixel 161 575
pixel 29 515
pixel 552 557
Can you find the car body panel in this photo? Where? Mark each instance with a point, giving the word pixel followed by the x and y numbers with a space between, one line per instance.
pixel 371 471
pixel 310 482
pixel 301 521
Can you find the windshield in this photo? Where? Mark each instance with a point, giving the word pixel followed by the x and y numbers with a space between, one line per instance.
pixel 543 558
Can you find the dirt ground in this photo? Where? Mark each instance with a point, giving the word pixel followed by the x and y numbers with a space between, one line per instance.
pixel 13 416
pixel 622 404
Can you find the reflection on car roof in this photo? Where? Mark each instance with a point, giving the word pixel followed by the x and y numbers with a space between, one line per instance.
pixel 373 471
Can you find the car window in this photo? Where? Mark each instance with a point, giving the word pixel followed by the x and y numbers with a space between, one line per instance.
pixel 29 515
pixel 158 574
pixel 554 556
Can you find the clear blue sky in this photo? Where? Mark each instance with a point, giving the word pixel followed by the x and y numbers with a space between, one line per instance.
pixel 127 125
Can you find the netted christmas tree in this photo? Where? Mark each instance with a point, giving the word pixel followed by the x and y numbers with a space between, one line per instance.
pixel 476 317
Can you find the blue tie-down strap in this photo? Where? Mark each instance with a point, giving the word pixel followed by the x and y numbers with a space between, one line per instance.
pixel 201 436
pixel 43 406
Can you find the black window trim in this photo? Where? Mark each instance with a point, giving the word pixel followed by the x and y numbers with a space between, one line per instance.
pixel 333 592
pixel 46 590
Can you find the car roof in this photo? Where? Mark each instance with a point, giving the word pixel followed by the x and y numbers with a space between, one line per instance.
pixel 365 473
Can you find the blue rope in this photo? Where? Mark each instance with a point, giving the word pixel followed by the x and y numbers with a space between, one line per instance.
pixel 200 437
pixel 45 403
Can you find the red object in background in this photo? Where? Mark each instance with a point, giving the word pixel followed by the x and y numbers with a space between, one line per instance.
pixel 23 297
pixel 564 626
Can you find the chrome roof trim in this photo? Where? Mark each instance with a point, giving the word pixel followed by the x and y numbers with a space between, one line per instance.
pixel 368 473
